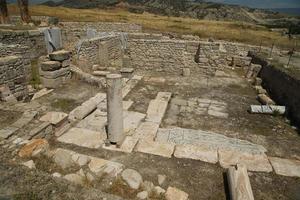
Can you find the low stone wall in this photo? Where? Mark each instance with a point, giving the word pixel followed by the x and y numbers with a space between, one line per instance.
pixel 13 75
pixel 103 51
pixel 282 87
pixel 33 39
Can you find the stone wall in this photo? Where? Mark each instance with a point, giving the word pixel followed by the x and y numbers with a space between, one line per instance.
pixel 33 39
pixel 282 87
pixel 103 51
pixel 13 75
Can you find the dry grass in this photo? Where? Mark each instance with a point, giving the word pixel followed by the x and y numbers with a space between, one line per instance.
pixel 230 31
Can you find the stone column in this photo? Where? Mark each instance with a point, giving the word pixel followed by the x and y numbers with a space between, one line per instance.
pixel 115 109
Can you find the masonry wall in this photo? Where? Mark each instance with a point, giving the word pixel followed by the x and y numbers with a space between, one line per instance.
pixel 32 39
pixel 13 75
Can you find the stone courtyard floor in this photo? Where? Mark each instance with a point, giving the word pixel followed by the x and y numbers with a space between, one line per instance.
pixel 188 129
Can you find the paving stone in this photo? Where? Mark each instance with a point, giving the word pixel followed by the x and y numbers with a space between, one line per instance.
pixel 164 96
pixel 217 114
pixel 96 121
pixel 127 146
pixel 254 161
pixel 285 167
pixel 129 86
pixel 155 148
pixel 146 131
pixel 60 55
pixel 101 73
pixel 127 104
pixel 55 118
pixel 202 152
pixel 175 194
pixel 83 137
pixel 34 148
pixel 7 132
pixel 132 178
pixel 41 93
pixel 131 121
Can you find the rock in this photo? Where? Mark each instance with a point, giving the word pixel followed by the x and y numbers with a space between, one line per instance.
pixel 56 73
pixel 100 73
pixel 63 158
pixel 34 148
pixel 30 164
pixel 142 195
pixel 159 191
pixel 161 179
pixel 175 194
pixel 75 178
pixel 60 55
pixel 55 118
pixel 265 100
pixel 186 72
pixel 41 93
pixel 100 167
pixel 57 175
pixel 90 177
pixel 50 65
pixel 132 178
pixel 148 186
pixel 286 167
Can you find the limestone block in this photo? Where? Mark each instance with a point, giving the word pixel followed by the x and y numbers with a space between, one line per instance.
pixel 83 137
pixel 202 152
pixel 155 148
pixel 254 161
pixel 7 132
pixel 146 131
pixel 50 65
pixel 60 55
pixel 285 167
pixel 265 100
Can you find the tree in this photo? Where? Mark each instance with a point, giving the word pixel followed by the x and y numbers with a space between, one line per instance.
pixel 4 19
pixel 24 12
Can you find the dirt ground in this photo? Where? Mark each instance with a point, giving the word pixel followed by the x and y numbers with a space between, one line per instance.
pixel 200 180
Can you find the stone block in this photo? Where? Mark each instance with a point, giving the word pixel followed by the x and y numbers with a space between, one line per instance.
pixel 50 65
pixel 285 167
pixel 60 55
pixel 101 73
pixel 55 118
pixel 146 131
pixel 127 146
pixel 155 148
pixel 56 73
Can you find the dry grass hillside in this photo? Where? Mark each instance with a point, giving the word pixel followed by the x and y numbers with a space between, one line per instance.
pixel 231 31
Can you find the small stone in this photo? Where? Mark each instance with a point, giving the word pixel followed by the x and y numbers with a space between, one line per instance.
pixel 30 164
pixel 142 195
pixel 90 177
pixel 132 178
pixel 50 65
pixel 57 175
pixel 159 191
pixel 148 186
pixel 75 178
pixel 161 179
pixel 60 55
pixel 175 194
pixel 63 158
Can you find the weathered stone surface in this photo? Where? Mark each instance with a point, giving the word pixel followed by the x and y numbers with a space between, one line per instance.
pixel 127 145
pixel 217 114
pixel 50 65
pixel 156 148
pixel 30 164
pixel 202 152
pixel 57 175
pixel 146 131
pixel 55 118
pixel 33 148
pixel 101 73
pixel 74 178
pixel 7 132
pixel 132 121
pixel 80 159
pixel 95 121
pixel 148 186
pixel 285 167
pixel 161 179
pixel 175 194
pixel 156 111
pixel 100 167
pixel 26 118
pixel 52 83
pixel 127 104
pixel 142 195
pixel 265 100
pixel 267 109
pixel 253 161
pixel 83 137
pixel 63 158
pixel 41 93
pixel 43 130
pixel 132 178
pixel 60 55
pixel 56 73
pixel 159 191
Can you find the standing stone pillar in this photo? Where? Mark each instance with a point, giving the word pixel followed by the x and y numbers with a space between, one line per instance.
pixel 115 109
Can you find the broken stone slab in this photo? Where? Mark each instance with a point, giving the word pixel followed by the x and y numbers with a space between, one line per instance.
pixel 60 55
pixel 30 164
pixel 127 146
pixel 41 93
pixel 83 137
pixel 55 118
pixel 267 109
pixel 126 70
pixel 7 132
pixel 101 73
pixel 254 161
pixel 96 121
pixel 204 153
pixel 175 194
pixel 285 167
pixel 132 178
pixel 155 148
pixel 100 167
pixel 50 65
pixel 146 131
pixel 43 129
pixel 155 79
pixel 265 100
pixel 55 74
pixel 34 148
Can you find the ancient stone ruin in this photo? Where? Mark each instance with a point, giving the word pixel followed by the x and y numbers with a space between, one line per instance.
pixel 140 115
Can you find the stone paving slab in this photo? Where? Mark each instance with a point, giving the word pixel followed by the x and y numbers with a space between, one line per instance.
pixel 26 118
pixel 156 111
pixel 155 148
pixel 83 137
pixel 127 146
pixel 203 153
pixel 55 118
pixel 253 161
pixel 7 132
pixel 129 86
pixel 285 167
pixel 96 121
pixel 146 131
pixel 131 121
